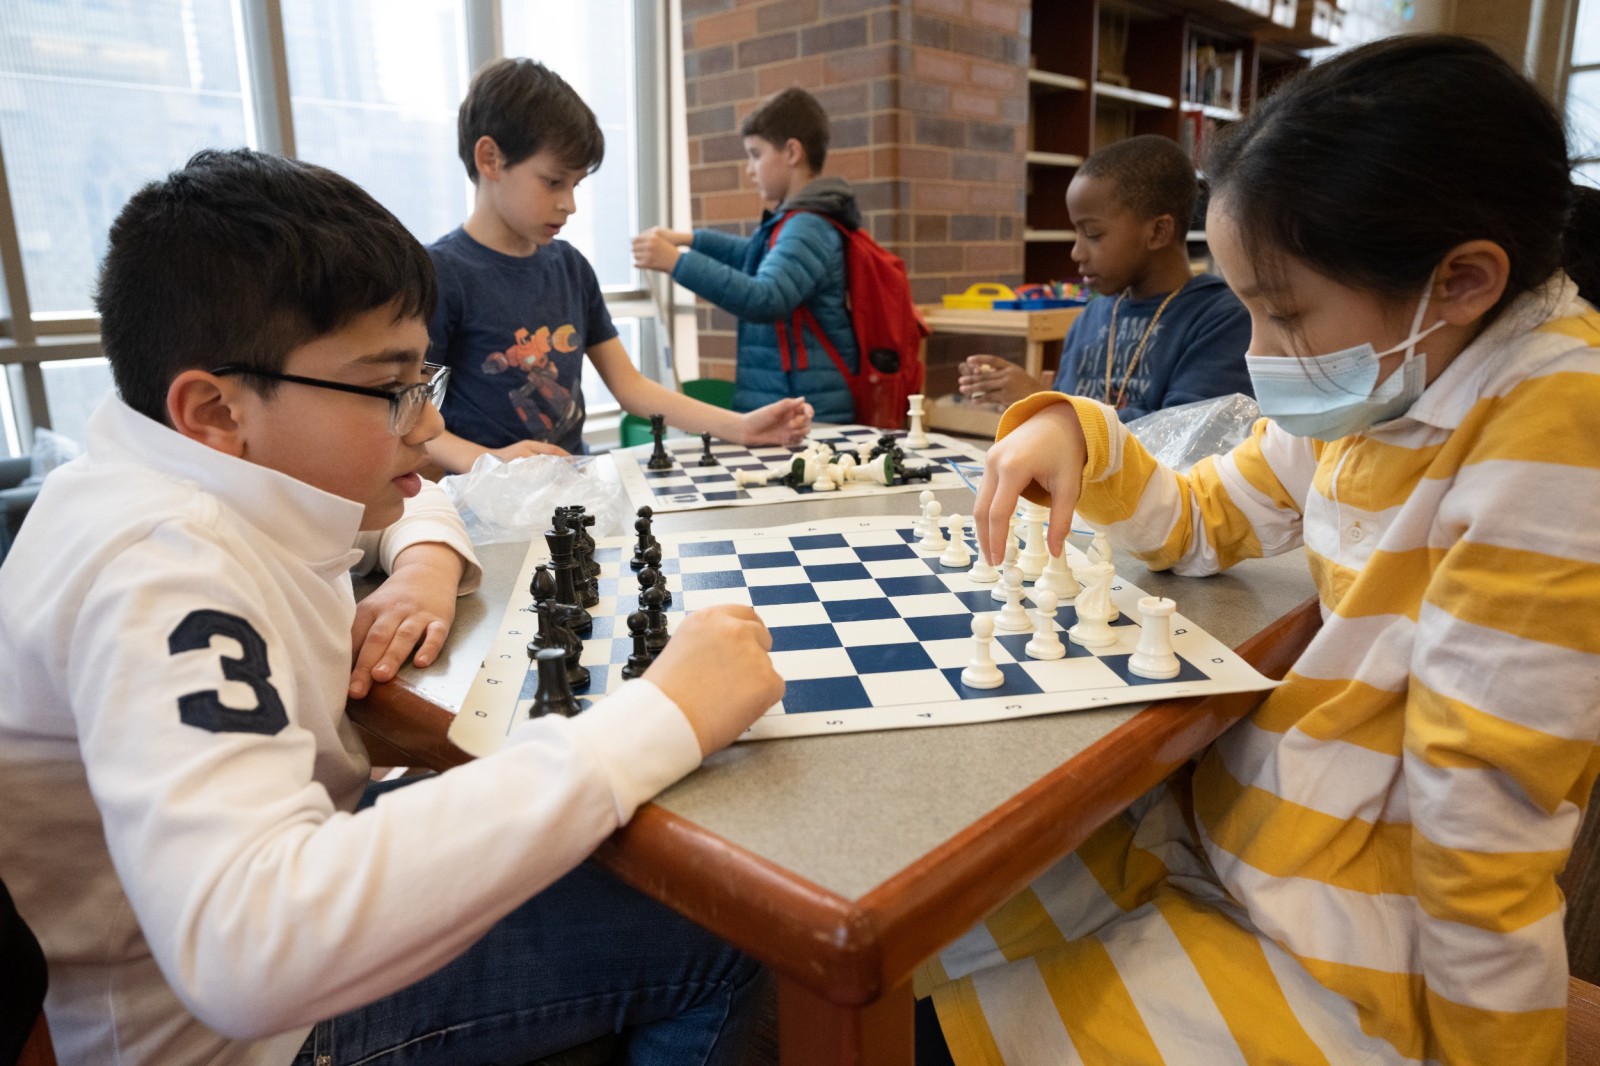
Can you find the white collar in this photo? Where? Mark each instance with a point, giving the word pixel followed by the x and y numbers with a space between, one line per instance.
pixel 315 525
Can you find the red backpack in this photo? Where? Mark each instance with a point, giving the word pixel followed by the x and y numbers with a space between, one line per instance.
pixel 888 329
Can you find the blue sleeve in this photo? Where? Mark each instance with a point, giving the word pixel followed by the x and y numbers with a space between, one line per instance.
pixel 597 324
pixel 1211 361
pixel 725 248
pixel 789 275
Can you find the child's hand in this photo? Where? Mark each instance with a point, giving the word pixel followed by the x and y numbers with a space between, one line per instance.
pixel 415 605
pixel 1047 449
pixel 990 379
pixel 716 668
pixel 524 448
pixel 786 422
pixel 656 249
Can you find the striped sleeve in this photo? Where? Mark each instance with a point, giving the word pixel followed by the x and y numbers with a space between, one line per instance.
pixel 1502 714
pixel 1243 505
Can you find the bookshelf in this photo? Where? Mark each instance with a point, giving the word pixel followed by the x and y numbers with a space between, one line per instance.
pixel 1105 70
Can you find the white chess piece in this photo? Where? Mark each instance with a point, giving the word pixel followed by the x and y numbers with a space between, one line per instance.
pixel 982 573
pixel 981 672
pixel 919 527
pixel 1093 630
pixel 824 483
pixel 932 536
pixel 957 556
pixel 744 478
pixel 916 437
pixel 1057 577
pixel 1154 656
pixel 1045 644
pixel 1010 556
pixel 1013 617
pixel 1100 552
pixel 1033 556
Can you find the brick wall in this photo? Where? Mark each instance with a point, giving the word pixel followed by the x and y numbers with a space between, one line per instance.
pixel 929 105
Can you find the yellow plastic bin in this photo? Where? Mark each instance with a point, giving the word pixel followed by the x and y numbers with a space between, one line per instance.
pixel 979 297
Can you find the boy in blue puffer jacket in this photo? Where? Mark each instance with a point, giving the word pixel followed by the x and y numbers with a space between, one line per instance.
pixel 786 140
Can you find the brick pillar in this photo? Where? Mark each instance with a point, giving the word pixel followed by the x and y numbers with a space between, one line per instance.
pixel 928 101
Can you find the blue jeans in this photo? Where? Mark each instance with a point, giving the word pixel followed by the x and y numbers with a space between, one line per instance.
pixel 586 957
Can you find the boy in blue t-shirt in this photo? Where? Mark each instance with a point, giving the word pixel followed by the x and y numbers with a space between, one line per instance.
pixel 786 139
pixel 519 309
pixel 1165 337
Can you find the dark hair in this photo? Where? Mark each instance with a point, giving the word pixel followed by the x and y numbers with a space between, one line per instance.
pixel 792 113
pixel 525 107
pixel 1152 175
pixel 1370 167
pixel 240 257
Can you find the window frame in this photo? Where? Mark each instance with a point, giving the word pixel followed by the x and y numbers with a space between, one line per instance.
pixel 29 339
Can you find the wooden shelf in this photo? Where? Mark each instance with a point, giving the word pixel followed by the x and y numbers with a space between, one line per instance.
pixel 1221 114
pixel 1054 159
pixel 1045 81
pixel 1136 97
pixel 1050 236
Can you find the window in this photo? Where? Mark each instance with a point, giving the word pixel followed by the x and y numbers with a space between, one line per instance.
pixel 99 96
pixel 1583 93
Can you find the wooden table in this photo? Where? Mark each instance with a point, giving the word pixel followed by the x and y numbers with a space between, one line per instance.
pixel 843 862
pixel 1041 331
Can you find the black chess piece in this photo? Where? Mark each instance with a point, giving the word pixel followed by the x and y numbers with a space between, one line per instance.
pixel 641 526
pixel 918 473
pixel 652 561
pixel 655 636
pixel 569 612
pixel 552 634
pixel 659 459
pixel 553 695
pixel 706 458
pixel 586 585
pixel 641 658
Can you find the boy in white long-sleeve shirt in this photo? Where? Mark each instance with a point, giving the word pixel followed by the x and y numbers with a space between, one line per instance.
pixel 189 827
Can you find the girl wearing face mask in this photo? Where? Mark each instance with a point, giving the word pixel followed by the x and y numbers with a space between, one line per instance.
pixel 1364 869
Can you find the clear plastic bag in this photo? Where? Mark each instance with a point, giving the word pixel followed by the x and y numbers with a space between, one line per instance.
pixel 513 501
pixel 1182 436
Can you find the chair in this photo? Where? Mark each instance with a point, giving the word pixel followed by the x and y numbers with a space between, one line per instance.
pixel 1580 882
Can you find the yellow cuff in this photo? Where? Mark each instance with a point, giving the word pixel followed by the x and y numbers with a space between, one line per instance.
pixel 1091 416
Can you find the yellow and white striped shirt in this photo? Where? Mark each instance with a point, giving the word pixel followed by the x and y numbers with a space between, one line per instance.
pixel 1364 869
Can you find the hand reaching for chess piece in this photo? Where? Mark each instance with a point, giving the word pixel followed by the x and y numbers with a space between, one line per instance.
pixel 718 670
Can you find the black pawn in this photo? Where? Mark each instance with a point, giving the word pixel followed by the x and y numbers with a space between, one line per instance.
pixel 652 561
pixel 641 526
pixel 706 458
pixel 655 636
pixel 659 459
pixel 554 695
pixel 639 661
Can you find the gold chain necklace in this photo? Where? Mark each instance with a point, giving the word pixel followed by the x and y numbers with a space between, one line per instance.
pixel 1111 343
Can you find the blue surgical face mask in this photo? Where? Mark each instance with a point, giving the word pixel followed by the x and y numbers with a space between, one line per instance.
pixel 1332 396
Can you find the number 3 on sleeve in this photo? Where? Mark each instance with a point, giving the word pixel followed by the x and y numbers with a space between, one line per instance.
pixel 205 710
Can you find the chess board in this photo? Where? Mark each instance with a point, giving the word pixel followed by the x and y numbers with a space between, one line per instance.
pixel 688 486
pixel 868 633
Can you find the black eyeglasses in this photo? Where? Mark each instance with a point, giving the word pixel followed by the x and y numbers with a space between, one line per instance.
pixel 406 402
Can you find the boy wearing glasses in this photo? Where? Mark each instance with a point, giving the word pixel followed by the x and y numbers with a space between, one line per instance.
pixel 189 827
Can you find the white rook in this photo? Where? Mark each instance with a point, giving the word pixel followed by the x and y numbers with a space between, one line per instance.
pixel 1154 658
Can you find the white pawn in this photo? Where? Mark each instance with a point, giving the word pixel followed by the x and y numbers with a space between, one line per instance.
pixel 920 528
pixel 824 483
pixel 1033 556
pixel 1092 629
pixel 1010 557
pixel 744 478
pixel 1057 578
pixel 1045 644
pixel 1013 617
pixel 982 573
pixel 916 437
pixel 1154 657
pixel 932 536
pixel 981 672
pixel 957 556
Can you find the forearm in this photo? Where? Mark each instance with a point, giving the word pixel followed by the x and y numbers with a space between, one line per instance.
pixel 455 454
pixel 643 397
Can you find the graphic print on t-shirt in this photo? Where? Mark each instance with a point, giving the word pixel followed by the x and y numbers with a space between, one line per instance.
pixel 547 408
pixel 1092 369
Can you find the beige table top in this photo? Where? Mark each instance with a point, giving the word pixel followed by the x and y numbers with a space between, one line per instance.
pixel 848 812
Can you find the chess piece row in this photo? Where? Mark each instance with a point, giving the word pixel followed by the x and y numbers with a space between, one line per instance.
pixel 1153 658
